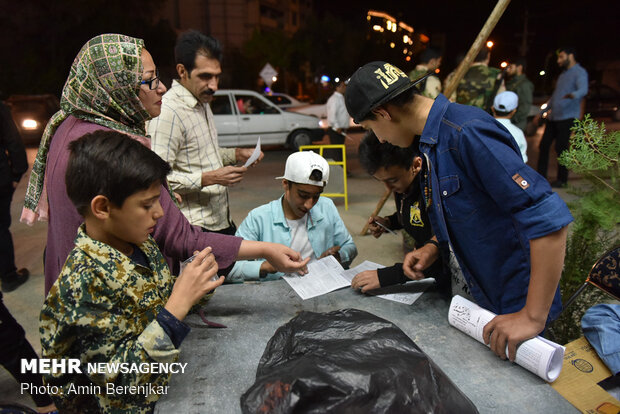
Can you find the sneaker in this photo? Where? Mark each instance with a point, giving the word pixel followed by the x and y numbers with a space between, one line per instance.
pixel 12 282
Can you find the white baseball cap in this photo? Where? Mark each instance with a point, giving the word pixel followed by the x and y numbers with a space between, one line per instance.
pixel 506 102
pixel 300 165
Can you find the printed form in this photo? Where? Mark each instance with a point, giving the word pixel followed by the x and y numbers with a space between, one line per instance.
pixel 327 275
pixel 406 293
pixel 538 355
pixel 324 276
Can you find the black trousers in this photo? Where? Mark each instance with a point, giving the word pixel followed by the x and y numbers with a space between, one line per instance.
pixel 335 139
pixel 13 347
pixel 560 132
pixel 7 253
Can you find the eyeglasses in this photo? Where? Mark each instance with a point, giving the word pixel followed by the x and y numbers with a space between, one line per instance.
pixel 153 82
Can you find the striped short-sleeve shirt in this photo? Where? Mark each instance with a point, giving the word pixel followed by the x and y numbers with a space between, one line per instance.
pixel 184 135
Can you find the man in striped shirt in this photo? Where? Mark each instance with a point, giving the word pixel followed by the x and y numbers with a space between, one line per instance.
pixel 184 135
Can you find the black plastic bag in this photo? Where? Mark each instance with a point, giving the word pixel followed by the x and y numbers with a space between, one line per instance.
pixel 348 361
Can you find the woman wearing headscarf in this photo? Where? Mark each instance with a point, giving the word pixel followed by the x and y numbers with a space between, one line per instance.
pixel 113 84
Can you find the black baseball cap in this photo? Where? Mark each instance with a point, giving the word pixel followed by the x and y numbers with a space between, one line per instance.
pixel 374 84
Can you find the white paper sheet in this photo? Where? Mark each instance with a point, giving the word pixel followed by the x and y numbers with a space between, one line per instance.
pixel 412 290
pixel 254 155
pixel 324 276
pixel 538 355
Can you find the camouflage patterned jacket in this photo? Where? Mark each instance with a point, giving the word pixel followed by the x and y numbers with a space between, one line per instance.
pixel 431 86
pixel 103 308
pixel 477 86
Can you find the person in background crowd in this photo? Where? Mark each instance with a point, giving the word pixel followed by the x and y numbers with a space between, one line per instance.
pixel 481 83
pixel 430 60
pixel 338 119
pixel 564 106
pixel 518 83
pixel 13 343
pixel 504 108
pixel 13 164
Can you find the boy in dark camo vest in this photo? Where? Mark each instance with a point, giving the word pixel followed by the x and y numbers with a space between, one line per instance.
pixel 115 300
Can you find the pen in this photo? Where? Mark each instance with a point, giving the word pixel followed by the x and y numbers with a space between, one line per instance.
pixel 381 225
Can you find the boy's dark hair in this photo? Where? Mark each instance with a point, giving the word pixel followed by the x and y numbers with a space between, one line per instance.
pixel 111 164
pixel 316 175
pixel 429 54
pixel 193 43
pixel 501 113
pixel 374 155
pixel 399 100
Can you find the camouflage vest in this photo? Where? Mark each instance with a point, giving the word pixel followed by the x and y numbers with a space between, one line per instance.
pixel 415 74
pixel 477 86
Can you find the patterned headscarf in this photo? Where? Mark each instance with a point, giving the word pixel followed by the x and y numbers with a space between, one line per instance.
pixel 102 88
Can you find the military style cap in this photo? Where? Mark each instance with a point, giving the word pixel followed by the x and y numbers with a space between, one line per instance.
pixel 374 84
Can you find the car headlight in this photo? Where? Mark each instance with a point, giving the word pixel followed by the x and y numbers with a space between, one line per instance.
pixel 543 106
pixel 323 123
pixel 30 124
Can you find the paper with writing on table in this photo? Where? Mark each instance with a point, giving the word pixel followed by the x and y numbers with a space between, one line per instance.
pixel 254 155
pixel 406 293
pixel 538 355
pixel 324 275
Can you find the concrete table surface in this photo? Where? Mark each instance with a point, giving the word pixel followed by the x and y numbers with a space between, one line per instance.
pixel 222 362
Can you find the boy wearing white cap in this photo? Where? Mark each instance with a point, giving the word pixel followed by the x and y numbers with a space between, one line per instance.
pixel 300 219
pixel 504 107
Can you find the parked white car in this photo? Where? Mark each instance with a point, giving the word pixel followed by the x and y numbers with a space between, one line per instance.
pixel 283 100
pixel 291 104
pixel 241 116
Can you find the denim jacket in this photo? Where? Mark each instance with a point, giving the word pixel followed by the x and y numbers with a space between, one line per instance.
pixel 268 223
pixel 487 203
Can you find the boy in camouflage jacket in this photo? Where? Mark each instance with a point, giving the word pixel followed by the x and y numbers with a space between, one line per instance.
pixel 115 301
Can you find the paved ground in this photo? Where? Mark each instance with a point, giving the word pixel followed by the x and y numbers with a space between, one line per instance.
pixel 257 188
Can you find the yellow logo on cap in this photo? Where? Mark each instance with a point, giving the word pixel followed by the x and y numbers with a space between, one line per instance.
pixel 391 75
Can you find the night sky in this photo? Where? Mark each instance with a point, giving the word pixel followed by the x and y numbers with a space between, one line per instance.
pixel 590 27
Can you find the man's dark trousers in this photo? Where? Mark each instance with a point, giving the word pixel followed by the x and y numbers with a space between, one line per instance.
pixel 560 132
